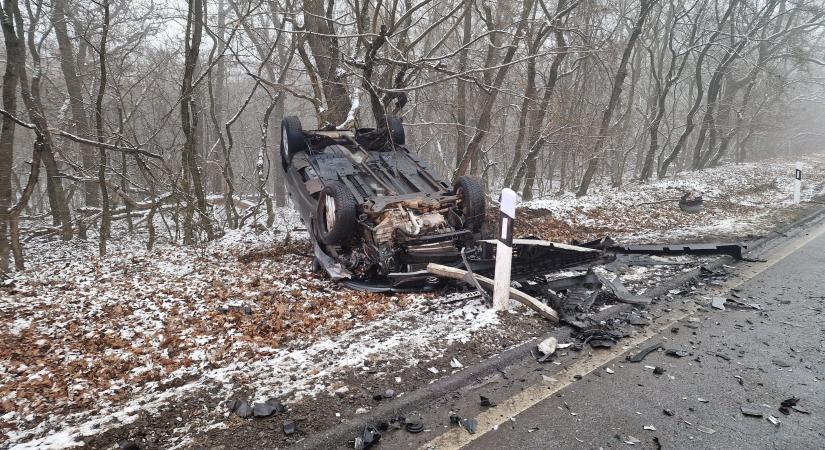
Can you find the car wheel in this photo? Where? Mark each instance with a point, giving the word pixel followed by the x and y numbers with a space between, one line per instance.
pixel 473 203
pixel 396 128
pixel 292 138
pixel 337 214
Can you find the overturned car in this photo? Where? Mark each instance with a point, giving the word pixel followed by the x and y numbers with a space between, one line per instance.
pixel 374 210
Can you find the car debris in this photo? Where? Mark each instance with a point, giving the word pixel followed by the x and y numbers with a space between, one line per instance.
pixel 705 429
pixel 368 438
pixel 470 425
pixel 691 202
pixel 676 353
pixel 288 427
pixel 774 420
pixel 668 412
pixel 630 440
pixel 456 364
pixel 639 357
pixel 485 402
pixel 649 428
pixel 241 408
pixel 547 348
pixel 458 274
pixel 609 370
pixel 658 370
pixel 790 402
pixel 751 412
pixel 718 303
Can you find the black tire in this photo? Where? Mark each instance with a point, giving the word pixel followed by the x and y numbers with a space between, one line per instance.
pixel 396 128
pixel 344 217
pixel 292 138
pixel 473 203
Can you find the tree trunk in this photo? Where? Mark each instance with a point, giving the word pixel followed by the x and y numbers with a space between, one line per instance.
pixel 74 88
pixel 615 93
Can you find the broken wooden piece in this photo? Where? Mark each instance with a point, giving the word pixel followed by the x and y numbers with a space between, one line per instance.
pixel 533 303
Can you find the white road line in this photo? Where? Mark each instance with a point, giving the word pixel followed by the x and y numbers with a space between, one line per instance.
pixel 489 420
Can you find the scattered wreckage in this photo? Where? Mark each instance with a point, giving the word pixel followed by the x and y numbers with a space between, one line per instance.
pixel 380 219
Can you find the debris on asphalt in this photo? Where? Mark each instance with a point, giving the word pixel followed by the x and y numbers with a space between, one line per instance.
pixel 781 362
pixel 361 410
pixel 718 303
pixel 676 353
pixel 433 370
pixel 486 402
pixel 563 346
pixel 609 370
pixel 638 357
pixel 456 364
pixel 774 420
pixel 455 419
pixel 630 440
pixel 751 412
pixel 658 370
pixel 547 347
pixel 790 402
pixel 705 429
pixel 369 437
pixel 288 427
pixel 800 410
pixel 701 400
pixel 668 412
pixel 649 428
pixel 784 410
pixel 470 425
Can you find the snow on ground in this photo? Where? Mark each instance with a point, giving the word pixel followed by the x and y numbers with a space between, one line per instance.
pixel 740 200
pixel 86 343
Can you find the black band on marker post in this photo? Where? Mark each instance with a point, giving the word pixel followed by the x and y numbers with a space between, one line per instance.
pixel 798 174
pixel 506 230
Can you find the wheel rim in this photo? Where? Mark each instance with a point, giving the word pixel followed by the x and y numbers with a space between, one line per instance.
pixel 329 213
pixel 284 144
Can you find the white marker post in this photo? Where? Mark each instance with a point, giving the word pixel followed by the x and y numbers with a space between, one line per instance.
pixel 504 250
pixel 797 183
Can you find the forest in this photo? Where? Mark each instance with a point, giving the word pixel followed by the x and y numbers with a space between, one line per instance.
pixel 161 120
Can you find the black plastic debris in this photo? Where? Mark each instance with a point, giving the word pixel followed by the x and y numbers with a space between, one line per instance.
pixel 470 425
pixel 127 445
pixel 658 370
pixel 275 403
pixel 751 412
pixel 414 427
pixel 668 412
pixel 784 410
pixel 676 353
pixel 369 437
pixel 639 357
pixel 241 408
pixel 486 402
pixel 790 402
pixel 262 410
pixel 289 427
pixel 455 419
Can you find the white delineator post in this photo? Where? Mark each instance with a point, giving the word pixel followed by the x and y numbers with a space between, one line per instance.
pixel 504 250
pixel 797 183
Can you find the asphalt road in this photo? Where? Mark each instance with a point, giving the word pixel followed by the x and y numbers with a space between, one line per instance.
pixel 754 359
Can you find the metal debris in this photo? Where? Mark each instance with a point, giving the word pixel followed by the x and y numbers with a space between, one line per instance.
pixel 649 428
pixel 668 412
pixel 774 420
pixel 630 440
pixel 705 429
